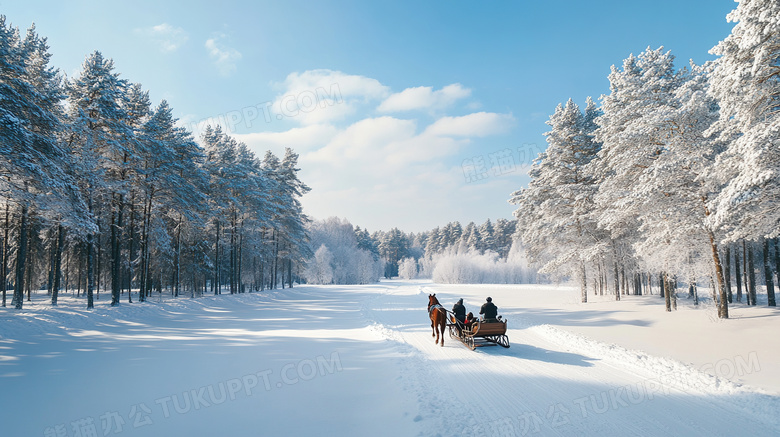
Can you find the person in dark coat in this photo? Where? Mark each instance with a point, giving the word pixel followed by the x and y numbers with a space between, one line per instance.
pixel 459 311
pixel 489 310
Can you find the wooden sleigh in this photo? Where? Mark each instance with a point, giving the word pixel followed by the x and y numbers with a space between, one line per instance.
pixel 480 334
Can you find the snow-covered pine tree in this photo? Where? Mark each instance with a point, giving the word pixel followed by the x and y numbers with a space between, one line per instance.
pixel 293 220
pixel 35 166
pixel 504 230
pixel 471 238
pixel 433 243
pixel 102 140
pixel 629 145
pixel 746 84
pixel 487 237
pixel 393 246
pixel 673 194
pixel 555 221
pixel 173 184
pixel 220 156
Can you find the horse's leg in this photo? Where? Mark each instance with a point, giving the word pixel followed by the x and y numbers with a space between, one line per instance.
pixel 433 327
pixel 441 326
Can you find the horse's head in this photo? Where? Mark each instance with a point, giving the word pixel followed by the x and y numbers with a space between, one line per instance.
pixel 432 300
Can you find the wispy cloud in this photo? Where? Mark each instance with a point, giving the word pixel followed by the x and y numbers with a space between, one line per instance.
pixel 353 149
pixel 224 57
pixel 478 124
pixel 324 96
pixel 424 97
pixel 168 38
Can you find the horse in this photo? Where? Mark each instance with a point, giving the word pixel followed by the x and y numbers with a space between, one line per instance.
pixel 438 316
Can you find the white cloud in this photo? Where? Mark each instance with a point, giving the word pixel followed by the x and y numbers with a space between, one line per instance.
pixel 322 96
pixel 381 170
pixel 424 97
pixel 374 165
pixel 365 142
pixel 478 124
pixel 224 57
pixel 302 139
pixel 167 37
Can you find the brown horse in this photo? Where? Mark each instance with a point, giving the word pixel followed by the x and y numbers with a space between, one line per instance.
pixel 438 316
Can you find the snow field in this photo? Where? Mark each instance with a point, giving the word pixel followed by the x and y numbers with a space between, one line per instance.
pixel 360 360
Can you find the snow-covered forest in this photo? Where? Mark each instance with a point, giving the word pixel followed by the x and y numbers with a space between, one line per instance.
pixel 451 254
pixel 102 191
pixel 674 177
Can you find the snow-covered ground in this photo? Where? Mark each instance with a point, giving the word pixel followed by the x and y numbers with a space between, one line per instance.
pixel 360 361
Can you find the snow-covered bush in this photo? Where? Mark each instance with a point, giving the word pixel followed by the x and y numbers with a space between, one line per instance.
pixel 471 267
pixel 407 268
pixel 338 260
pixel 320 269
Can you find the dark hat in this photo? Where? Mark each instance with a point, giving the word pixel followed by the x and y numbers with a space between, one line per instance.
pixel 460 300
pixel 490 299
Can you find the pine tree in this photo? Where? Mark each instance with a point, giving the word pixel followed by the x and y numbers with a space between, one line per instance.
pixel 487 237
pixel 746 84
pixel 35 166
pixel 103 141
pixel 554 212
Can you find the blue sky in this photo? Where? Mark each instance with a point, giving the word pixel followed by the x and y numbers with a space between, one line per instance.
pixel 405 113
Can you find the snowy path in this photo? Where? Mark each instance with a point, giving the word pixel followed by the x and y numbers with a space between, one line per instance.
pixel 340 360
pixel 552 383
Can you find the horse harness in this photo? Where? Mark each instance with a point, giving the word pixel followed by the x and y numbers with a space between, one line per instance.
pixel 435 306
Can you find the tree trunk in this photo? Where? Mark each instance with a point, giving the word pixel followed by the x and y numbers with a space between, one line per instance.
pixel 52 250
pixel 21 255
pixel 289 273
pixel 617 282
pixel 4 264
pixel 217 279
pixel 600 282
pixel 262 275
pixel 649 283
pixel 768 274
pixel 232 255
pixel 116 229
pixel 177 259
pixel 90 269
pixel 80 277
pixel 668 293
pixel 239 258
pixel 583 283
pixel 29 274
pixel 276 262
pixel 623 281
pixel 662 284
pixel 723 307
pixel 67 269
pixel 751 276
pixel 737 273
pixel 131 250
pixel 99 262
pixel 777 260
pixel 745 271
pixel 145 288
pixel 55 289
pixel 727 274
